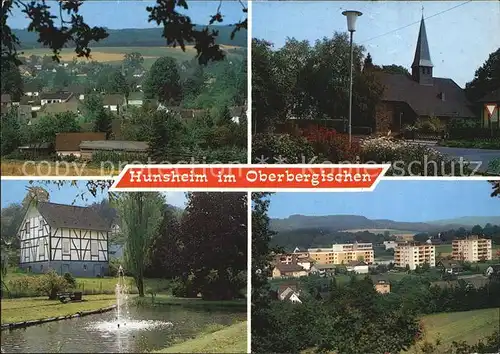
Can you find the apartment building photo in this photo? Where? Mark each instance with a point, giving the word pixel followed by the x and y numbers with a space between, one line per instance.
pixel 472 249
pixel 343 253
pixel 413 254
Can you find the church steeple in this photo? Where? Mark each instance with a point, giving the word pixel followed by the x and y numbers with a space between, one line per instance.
pixel 421 69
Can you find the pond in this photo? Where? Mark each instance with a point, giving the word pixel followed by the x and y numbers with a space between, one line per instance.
pixel 152 328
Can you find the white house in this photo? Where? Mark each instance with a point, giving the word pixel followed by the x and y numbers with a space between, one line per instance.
pixel 358 267
pixel 66 238
pixel 390 245
pixel 290 294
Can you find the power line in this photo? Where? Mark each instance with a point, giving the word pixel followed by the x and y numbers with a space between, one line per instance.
pixel 417 22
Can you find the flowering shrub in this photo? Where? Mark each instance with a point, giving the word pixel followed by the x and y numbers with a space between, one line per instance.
pixel 329 144
pixel 410 159
pixel 281 148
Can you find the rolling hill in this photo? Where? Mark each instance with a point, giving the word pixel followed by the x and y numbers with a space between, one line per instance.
pixel 469 221
pixel 356 222
pixel 138 37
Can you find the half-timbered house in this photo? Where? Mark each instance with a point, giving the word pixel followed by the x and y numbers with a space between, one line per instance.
pixel 66 238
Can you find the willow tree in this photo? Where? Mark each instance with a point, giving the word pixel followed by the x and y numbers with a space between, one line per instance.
pixel 141 215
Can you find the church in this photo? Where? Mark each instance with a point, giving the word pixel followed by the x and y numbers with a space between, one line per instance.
pixel 420 95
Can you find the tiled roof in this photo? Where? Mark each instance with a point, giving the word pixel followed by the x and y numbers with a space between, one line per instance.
pixel 68 216
pixel 118 145
pixel 425 100
pixel 61 95
pixel 54 108
pixel 72 141
pixel 286 268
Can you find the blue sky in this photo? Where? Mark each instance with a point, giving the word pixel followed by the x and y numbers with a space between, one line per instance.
pixel 460 40
pixel 395 200
pixel 14 192
pixel 133 14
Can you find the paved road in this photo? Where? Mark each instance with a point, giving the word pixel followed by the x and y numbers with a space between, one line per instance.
pixel 475 156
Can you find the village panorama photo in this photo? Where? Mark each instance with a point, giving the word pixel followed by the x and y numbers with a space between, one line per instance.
pixel 88 270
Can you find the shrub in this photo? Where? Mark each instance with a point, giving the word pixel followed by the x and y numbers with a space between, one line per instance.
pixel 23 286
pixel 119 157
pixel 184 287
pixel 70 279
pixel 51 283
pixel 331 145
pixel 281 148
pixel 410 159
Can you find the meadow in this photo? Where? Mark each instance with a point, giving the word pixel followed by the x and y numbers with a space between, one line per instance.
pixel 468 326
pixel 115 55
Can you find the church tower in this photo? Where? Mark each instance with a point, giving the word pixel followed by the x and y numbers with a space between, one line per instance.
pixel 421 69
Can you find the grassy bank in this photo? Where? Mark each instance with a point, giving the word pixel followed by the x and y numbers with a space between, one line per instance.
pixel 468 326
pixel 20 285
pixel 232 339
pixel 27 309
pixel 169 300
pixel 53 168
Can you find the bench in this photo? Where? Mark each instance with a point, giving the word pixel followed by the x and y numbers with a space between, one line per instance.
pixel 67 296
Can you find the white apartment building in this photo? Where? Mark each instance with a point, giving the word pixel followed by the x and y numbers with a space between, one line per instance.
pixel 412 254
pixel 472 249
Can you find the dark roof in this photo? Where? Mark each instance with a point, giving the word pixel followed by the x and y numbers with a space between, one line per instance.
pixel 493 96
pixel 285 268
pixel 61 107
pixel 445 283
pixel 422 53
pixel 112 145
pixel 136 96
pixel 60 95
pixel 380 279
pixel 449 264
pixel 75 88
pixel 69 216
pixel 477 281
pixel 5 98
pixel 113 100
pixel 425 100
pixel 30 87
pixel 283 287
pixel 72 141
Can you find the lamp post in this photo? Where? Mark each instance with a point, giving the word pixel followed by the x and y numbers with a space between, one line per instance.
pixel 351 27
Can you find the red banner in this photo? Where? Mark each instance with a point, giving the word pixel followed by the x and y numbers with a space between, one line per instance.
pixel 248 177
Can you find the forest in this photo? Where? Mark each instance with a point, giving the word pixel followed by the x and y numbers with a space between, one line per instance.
pixel 144 37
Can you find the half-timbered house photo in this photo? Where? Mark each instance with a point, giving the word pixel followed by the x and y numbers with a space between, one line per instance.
pixel 66 238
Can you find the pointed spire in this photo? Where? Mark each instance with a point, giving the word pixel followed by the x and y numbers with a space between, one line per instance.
pixel 422 53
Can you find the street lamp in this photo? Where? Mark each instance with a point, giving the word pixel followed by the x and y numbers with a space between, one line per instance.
pixel 351 27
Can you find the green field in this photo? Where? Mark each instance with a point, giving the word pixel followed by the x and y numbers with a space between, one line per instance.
pixel 468 326
pixel 232 339
pixel 26 309
pixel 114 55
pixel 86 285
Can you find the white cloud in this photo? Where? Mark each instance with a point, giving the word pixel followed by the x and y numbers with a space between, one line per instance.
pixel 177 199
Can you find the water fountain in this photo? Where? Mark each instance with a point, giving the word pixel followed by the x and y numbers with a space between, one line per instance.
pixel 123 325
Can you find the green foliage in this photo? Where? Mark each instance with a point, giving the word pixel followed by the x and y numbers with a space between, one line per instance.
pixel 140 214
pixel 184 288
pixel 132 61
pixel 486 78
pixel 70 280
pixel 305 81
pixel 224 233
pixel 278 147
pixel 163 81
pixel 12 82
pixel 11 133
pixel 46 128
pixel 51 283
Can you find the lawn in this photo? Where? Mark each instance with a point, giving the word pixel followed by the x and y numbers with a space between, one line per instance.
pixel 469 326
pixel 164 299
pixel 94 286
pixel 26 309
pixel 53 168
pixel 232 339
